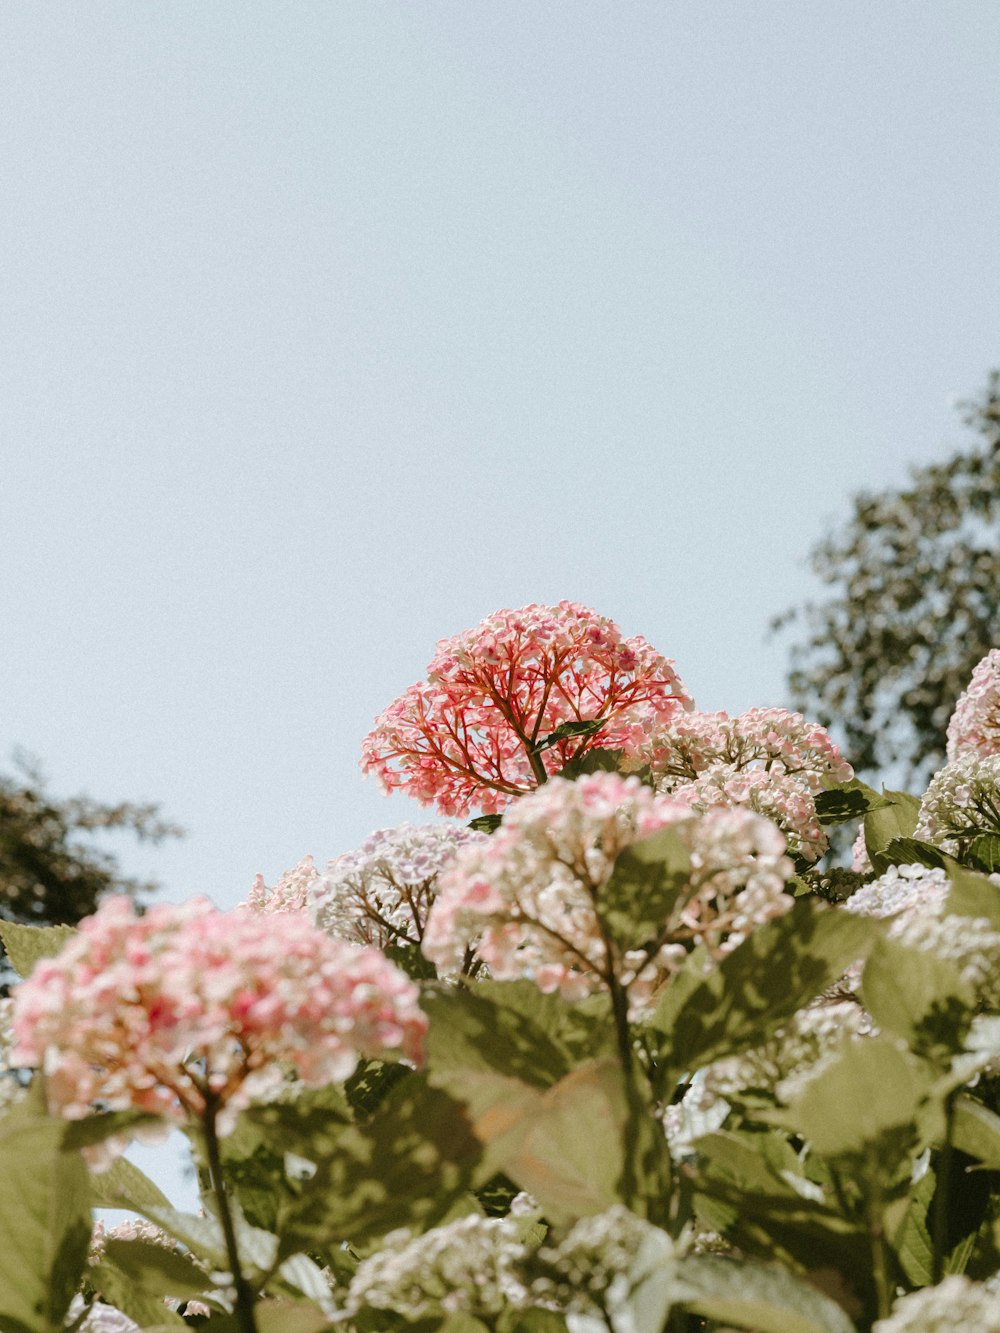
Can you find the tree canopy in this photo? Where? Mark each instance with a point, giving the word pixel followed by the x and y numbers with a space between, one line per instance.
pixel 51 870
pixel 914 603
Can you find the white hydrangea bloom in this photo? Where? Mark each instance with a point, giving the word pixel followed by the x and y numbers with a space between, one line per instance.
pixel 915 897
pixel 591 1270
pixel 11 1090
pixel 100 1318
pixel 467 1266
pixel 291 892
pixel 963 800
pixel 381 893
pixel 954 1303
pixel 975 724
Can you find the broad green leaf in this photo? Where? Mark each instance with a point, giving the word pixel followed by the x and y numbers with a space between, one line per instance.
pixel 567 1149
pixel 486 823
pixel 592 761
pixel 119 1287
pixel 976 1131
pixel 868 1098
pixel 984 851
pixel 756 1296
pixel 973 895
pixel 569 730
pixel 505 1027
pixel 912 1241
pixel 643 888
pixel 848 800
pixel 918 996
pixel 94 1129
pixel 907 852
pixel 404 1167
pixel 123 1185
pixel 156 1270
pixel 752 992
pixel 531 1321
pixel 44 1220
pixel 26 944
pixel 897 819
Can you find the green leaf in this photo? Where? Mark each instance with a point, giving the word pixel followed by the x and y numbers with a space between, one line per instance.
pixel 897 819
pixel 864 1104
pixel 756 1296
pixel 919 997
pixel 976 1131
pixel 755 989
pixel 44 1220
pixel 156 1270
pixel 984 852
pixel 973 895
pixel 118 1287
pixel 568 730
pixel 26 944
pixel 592 761
pixel 409 958
pixel 912 1241
pixel 906 852
pixel 566 1145
pixel 486 823
pixel 643 888
pixel 848 800
pixel 503 1027
pixel 405 1166
pixel 123 1185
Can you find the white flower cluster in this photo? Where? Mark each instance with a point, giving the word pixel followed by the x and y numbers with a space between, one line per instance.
pixel 100 1318
pixel 963 800
pixel 11 1090
pixel 467 1266
pixel 954 1303
pixel 381 893
pixel 588 1271
pixel 975 724
pixel 915 897
pixel 289 894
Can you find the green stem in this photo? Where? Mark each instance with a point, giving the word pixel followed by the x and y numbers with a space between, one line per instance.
pixel 942 1193
pixel 876 1234
pixel 244 1292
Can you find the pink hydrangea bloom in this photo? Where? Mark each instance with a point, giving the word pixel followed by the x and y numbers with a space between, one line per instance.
pixel 291 892
pixel 767 759
pixel 974 729
pixel 188 1008
pixel 466 737
pixel 526 897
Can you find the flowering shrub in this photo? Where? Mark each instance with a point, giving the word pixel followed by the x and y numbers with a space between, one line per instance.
pixel 625 1056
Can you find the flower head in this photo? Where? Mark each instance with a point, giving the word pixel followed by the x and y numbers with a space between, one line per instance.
pixel 974 728
pixel 767 759
pixel 954 1303
pixel 291 892
pixel 962 801
pixel 381 893
pixel 474 733
pixel 528 898
pixel 188 1009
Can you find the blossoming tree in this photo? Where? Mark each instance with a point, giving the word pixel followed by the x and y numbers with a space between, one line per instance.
pixel 624 1054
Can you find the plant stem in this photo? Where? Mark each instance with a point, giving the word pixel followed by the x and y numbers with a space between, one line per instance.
pixel 876 1233
pixel 942 1192
pixel 244 1292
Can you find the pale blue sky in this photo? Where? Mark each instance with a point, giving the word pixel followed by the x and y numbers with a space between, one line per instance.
pixel 329 328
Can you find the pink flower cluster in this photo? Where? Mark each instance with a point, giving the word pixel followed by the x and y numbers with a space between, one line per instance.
pixel 528 899
pixel 290 894
pixel 767 759
pixel 468 736
pixel 974 729
pixel 188 1009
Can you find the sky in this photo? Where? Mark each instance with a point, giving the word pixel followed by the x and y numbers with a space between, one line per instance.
pixel 327 329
